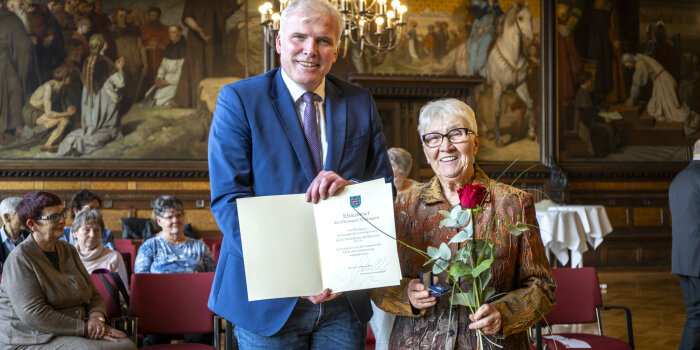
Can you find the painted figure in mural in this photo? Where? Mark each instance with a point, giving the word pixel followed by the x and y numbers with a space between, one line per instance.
pixel 484 30
pixel 130 47
pixel 604 49
pixel 665 51
pixel 47 36
pixel 103 82
pixel 100 24
pixel 429 41
pixel 413 45
pixel 206 21
pixel 663 104
pixel 598 134
pixel 38 113
pixel 170 69
pixel 441 38
pixel 568 60
pixel 154 36
pixel 80 36
pixel 507 66
pixel 71 94
pixel 15 70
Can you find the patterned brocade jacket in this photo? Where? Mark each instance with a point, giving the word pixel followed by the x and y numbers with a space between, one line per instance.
pixel 521 276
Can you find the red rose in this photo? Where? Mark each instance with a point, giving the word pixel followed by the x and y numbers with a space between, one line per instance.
pixel 471 195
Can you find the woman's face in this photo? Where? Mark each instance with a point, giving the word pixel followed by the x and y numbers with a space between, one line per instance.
pixel 46 228
pixel 172 222
pixel 89 236
pixel 451 162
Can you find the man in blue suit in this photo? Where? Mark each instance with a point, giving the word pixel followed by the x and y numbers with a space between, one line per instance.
pixel 292 130
pixel 684 202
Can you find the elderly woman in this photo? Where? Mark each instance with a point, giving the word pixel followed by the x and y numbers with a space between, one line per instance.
pixel 87 228
pixel 171 251
pixel 47 299
pixel 401 163
pixel 524 286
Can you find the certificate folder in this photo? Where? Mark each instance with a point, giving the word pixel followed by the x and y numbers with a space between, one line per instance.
pixel 293 248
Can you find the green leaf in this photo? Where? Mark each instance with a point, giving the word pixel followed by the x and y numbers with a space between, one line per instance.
pixel 486 263
pixel 460 269
pixel 456 211
pixel 445 252
pixel 469 230
pixel 463 254
pixel 445 213
pixel 485 277
pixel 488 293
pixel 448 222
pixel 440 266
pixel 464 217
pixel 433 253
pixel 465 299
pixel 460 237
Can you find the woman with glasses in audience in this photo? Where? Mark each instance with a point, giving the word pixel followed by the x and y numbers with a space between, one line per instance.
pixel 170 251
pixel 47 299
pixel 87 229
pixel 523 284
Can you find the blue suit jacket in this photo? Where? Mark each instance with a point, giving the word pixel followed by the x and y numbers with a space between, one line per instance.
pixel 684 202
pixel 257 148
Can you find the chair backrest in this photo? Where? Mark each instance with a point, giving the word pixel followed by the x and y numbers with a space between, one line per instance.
pixel 578 295
pixel 136 228
pixel 111 305
pixel 215 250
pixel 211 241
pixel 128 250
pixel 173 303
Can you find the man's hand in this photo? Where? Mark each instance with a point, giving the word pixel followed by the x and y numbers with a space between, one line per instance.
pixel 323 297
pixel 326 183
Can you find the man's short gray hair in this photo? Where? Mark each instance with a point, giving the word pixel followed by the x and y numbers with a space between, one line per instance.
pixel 400 159
pixel 446 109
pixel 87 216
pixel 9 206
pixel 313 9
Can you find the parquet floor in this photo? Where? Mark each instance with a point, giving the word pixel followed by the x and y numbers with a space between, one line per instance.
pixel 656 301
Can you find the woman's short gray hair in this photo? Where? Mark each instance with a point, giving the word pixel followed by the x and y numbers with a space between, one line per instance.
pixel 166 203
pixel 446 109
pixel 629 58
pixel 313 9
pixel 88 216
pixel 400 159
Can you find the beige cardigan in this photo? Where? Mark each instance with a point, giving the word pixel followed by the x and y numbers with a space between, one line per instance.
pixel 37 302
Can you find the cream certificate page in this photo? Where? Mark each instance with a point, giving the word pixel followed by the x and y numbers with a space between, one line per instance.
pixel 293 248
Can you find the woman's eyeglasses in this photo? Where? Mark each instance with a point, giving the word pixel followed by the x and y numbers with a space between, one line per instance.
pixel 54 218
pixel 434 139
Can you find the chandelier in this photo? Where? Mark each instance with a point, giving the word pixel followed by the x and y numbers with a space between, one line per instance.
pixel 366 24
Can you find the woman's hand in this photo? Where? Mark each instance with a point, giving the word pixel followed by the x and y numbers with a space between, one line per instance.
pixel 96 329
pixel 113 334
pixel 487 318
pixel 418 296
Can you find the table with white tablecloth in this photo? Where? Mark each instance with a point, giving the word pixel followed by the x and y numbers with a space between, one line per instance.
pixel 594 218
pixel 561 232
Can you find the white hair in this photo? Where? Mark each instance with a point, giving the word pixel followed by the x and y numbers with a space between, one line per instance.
pixel 400 159
pixel 629 58
pixel 446 109
pixel 9 206
pixel 312 10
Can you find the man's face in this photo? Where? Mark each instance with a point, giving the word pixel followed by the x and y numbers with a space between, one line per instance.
pixel 55 6
pixel 15 224
pixel 120 18
pixel 84 28
pixel 174 33
pixel 153 16
pixel 72 3
pixel 307 49
pixel 14 5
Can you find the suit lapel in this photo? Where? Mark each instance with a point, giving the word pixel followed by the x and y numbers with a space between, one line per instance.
pixel 336 122
pixel 287 115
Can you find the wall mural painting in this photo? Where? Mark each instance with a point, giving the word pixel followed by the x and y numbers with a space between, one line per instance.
pixel 628 79
pixel 95 79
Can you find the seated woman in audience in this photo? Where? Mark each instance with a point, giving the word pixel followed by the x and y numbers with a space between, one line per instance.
pixel 401 163
pixel 87 229
pixel 170 251
pixel 47 299
pixel 82 199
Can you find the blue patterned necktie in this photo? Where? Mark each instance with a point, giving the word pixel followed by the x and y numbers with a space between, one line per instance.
pixel 311 131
